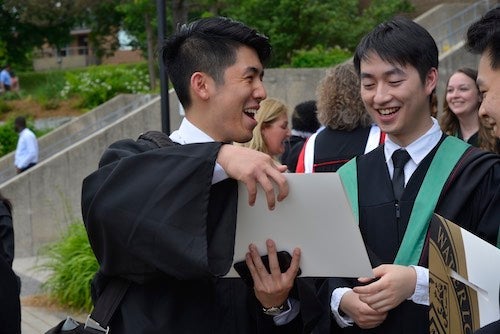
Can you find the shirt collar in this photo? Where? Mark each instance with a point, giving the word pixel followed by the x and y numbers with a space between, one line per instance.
pixel 419 149
pixel 188 133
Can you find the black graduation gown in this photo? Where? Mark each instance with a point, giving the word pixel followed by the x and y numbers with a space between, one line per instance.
pixel 6 234
pixel 333 148
pixel 154 218
pixel 10 306
pixel 470 198
pixel 493 328
pixel 293 146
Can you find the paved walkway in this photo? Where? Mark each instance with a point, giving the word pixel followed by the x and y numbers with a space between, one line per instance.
pixel 35 320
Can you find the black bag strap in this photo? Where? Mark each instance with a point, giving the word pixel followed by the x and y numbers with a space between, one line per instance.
pixel 106 305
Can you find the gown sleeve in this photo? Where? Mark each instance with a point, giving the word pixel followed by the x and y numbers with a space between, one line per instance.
pixel 472 200
pixel 146 211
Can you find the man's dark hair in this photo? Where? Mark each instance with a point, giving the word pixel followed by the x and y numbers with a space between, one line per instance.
pixel 400 41
pixel 208 45
pixel 21 121
pixel 484 35
pixel 304 117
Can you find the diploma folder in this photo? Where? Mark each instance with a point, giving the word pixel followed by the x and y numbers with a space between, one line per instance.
pixel 464 279
pixel 315 216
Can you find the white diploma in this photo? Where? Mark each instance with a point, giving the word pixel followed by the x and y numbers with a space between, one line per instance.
pixel 316 217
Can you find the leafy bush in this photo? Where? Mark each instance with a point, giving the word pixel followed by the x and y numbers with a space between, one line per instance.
pixel 10 95
pixel 319 57
pixel 4 107
pixel 100 83
pixel 8 137
pixel 72 265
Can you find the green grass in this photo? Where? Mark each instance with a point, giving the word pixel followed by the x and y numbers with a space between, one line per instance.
pixel 46 85
pixel 72 265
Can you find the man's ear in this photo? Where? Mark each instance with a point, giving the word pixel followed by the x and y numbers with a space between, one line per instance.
pixel 431 80
pixel 201 84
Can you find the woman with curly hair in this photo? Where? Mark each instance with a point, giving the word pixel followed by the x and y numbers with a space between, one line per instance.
pixel 461 111
pixel 348 129
pixel 272 130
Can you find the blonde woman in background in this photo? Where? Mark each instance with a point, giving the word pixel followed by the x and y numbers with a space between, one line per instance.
pixel 461 111
pixel 272 130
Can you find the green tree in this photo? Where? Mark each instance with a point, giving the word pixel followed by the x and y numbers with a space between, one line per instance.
pixel 378 11
pixel 104 21
pixel 139 20
pixel 52 19
pixel 17 38
pixel 295 24
pixel 303 24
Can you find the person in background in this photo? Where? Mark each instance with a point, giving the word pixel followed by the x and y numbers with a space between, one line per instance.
pixel 349 129
pixel 395 189
pixel 14 81
pixel 304 124
pixel 460 116
pixel 483 38
pixel 272 130
pixel 10 309
pixel 6 78
pixel 27 146
pixel 6 230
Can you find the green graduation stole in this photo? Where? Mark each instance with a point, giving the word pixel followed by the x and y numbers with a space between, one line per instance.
pixel 448 154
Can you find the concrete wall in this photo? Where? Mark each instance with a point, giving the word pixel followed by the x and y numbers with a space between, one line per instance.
pixel 47 197
pixel 293 85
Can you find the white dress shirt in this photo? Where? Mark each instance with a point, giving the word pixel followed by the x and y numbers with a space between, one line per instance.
pixel 188 133
pixel 26 150
pixel 417 150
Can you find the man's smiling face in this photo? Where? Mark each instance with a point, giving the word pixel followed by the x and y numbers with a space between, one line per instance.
pixel 488 80
pixel 396 98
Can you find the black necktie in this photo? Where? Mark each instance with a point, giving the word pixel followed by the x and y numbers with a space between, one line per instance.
pixel 399 159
